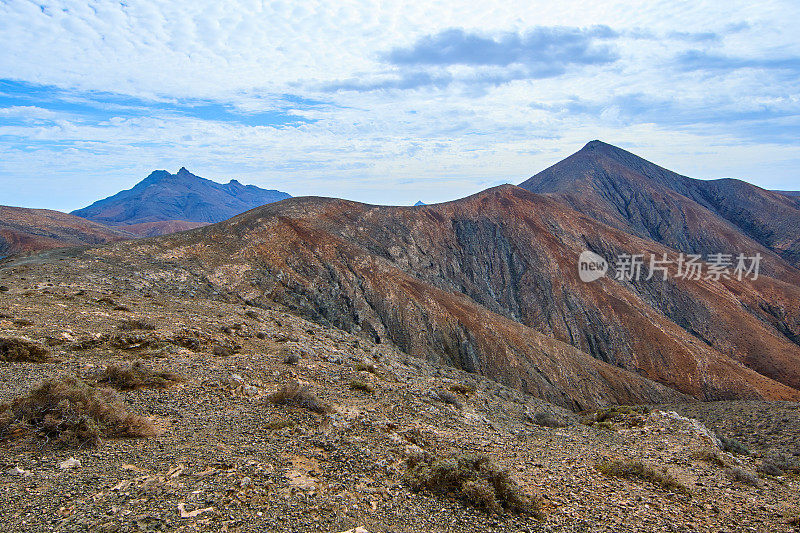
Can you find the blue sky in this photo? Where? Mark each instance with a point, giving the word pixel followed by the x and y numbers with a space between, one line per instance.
pixel 384 102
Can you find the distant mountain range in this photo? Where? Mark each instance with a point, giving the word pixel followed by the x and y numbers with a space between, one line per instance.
pixel 160 204
pixel 164 202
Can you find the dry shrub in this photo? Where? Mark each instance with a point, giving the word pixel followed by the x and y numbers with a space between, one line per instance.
pixel 293 393
pixel 445 396
pixel 474 479
pixel 546 419
pixel 134 324
pixel 741 475
pixel 711 457
pixel 462 388
pixel 69 412
pixel 138 376
pixel 640 470
pixel 134 341
pixel 362 386
pixel 225 349
pixel 366 367
pixel 23 350
pixel 279 423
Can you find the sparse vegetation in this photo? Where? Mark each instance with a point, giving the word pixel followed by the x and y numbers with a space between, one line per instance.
pixel 733 446
pixel 138 376
pixel 779 464
pixel 133 324
pixel 23 350
pixel 547 419
pixel 445 396
pixel 473 479
pixel 366 367
pixel 299 396
pixel 70 412
pixel 741 475
pixel 618 412
pixel 637 469
pixel 711 457
pixel 462 388
pixel 362 386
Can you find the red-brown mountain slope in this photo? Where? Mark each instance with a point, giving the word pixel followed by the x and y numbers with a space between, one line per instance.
pixel 27 230
pixel 489 283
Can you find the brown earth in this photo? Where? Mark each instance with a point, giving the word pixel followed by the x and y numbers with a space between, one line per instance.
pixel 162 227
pixel 227 459
pixel 29 230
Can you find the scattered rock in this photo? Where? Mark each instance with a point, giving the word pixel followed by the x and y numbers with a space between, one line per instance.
pixel 19 472
pixel 69 463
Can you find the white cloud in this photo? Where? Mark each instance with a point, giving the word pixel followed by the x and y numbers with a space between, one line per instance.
pixel 154 57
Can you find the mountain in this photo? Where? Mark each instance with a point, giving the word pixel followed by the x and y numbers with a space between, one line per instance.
pixel 28 230
pixel 623 190
pixel 788 193
pixel 180 200
pixel 490 284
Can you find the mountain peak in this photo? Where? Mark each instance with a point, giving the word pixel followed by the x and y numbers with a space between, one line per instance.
pixel 600 146
pixel 183 197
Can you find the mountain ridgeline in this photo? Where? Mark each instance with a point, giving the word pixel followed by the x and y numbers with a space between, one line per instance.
pixel 164 203
pixel 625 191
pixel 490 283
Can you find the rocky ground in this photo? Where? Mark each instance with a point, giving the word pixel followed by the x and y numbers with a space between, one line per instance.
pixel 227 458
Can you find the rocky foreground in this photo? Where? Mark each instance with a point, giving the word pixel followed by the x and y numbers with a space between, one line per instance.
pixel 226 454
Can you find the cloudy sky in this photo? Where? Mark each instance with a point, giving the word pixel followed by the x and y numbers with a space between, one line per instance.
pixel 388 102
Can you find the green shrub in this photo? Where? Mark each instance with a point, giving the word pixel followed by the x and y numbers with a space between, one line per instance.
pixel 733 446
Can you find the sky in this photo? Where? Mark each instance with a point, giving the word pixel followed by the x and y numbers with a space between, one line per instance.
pixel 388 102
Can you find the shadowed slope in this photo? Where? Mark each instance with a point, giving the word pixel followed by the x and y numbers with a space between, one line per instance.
pixel 694 216
pixel 489 283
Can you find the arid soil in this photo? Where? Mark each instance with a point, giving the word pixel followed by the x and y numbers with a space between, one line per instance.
pixel 229 459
